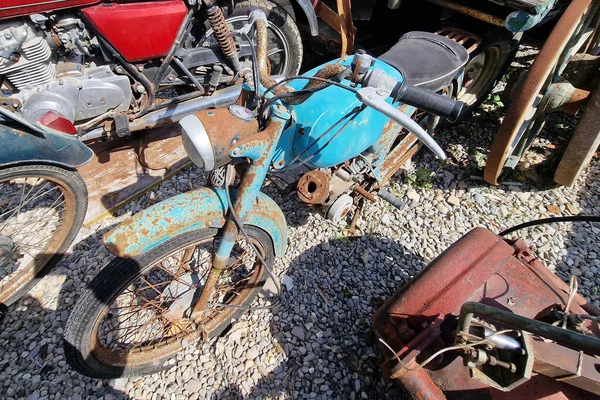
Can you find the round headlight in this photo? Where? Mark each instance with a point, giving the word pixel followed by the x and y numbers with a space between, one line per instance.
pixel 197 143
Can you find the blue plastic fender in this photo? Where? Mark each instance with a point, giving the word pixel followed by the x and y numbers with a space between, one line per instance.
pixel 186 212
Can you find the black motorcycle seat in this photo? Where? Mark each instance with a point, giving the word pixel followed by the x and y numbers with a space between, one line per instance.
pixel 427 60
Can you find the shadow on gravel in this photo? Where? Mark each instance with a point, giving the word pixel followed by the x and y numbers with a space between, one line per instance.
pixel 32 362
pixel 332 351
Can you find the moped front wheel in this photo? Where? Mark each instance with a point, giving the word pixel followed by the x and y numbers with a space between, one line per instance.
pixel 134 317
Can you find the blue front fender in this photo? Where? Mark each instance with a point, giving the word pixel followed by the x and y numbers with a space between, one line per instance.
pixel 186 212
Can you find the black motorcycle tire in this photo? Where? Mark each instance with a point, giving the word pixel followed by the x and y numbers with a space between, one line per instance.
pixel 503 46
pixel 74 190
pixel 116 277
pixel 279 19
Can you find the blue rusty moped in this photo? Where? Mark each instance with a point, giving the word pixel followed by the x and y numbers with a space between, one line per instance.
pixel 190 265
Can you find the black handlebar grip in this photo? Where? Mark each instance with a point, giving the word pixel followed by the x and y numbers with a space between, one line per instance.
pixel 429 101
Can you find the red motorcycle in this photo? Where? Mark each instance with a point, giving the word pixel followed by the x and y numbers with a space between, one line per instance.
pixel 99 68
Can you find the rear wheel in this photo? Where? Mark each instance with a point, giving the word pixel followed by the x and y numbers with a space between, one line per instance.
pixel 41 210
pixel 135 315
pixel 284 41
pixel 486 66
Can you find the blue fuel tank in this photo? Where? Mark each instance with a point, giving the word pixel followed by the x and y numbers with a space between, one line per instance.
pixel 321 111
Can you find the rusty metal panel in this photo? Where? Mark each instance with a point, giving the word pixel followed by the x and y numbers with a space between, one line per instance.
pixel 480 267
pixel 570 365
pixel 198 209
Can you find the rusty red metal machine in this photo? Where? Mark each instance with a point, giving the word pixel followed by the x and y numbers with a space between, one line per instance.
pixel 515 330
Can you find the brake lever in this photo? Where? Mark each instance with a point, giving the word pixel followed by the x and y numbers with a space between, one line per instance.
pixel 376 98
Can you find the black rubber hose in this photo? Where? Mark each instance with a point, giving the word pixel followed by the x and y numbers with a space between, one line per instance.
pixel 575 218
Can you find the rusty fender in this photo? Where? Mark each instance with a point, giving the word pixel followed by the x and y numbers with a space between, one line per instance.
pixel 186 212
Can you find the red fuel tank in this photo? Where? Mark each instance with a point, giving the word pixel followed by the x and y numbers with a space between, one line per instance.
pixel 16 8
pixel 140 30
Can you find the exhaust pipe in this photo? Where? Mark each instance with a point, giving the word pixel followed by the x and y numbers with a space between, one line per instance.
pixel 175 112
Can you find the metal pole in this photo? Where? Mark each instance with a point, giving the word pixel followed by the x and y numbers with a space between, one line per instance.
pixel 565 337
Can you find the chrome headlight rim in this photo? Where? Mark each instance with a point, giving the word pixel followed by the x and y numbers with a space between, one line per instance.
pixel 196 135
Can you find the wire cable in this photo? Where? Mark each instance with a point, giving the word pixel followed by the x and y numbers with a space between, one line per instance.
pixel 255 76
pixel 444 350
pixel 311 78
pixel 352 114
pixel 573 286
pixel 574 218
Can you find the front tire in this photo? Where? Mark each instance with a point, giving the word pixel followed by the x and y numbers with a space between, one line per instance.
pixel 42 208
pixel 157 290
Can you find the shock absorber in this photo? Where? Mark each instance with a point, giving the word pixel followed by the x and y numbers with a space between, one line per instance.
pixel 221 32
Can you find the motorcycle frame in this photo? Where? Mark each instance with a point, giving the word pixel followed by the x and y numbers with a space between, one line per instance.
pixel 168 219
pixel 193 58
pixel 140 234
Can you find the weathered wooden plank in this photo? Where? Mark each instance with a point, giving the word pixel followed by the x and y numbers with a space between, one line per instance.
pixel 583 144
pixel 123 169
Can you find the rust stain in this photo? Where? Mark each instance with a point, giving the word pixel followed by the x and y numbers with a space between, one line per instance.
pixel 397 157
pixel 313 187
pixel 363 192
pixel 327 72
pixel 223 128
pixel 471 12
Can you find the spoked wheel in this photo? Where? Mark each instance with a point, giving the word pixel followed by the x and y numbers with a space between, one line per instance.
pixel 526 115
pixel 41 210
pixel 284 48
pixel 136 314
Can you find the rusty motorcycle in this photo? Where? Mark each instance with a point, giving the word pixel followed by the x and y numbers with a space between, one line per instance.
pixel 189 266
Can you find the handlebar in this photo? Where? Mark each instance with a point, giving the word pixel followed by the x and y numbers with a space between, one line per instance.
pixel 376 88
pixel 429 101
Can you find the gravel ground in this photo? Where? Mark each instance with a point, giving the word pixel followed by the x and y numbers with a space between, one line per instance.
pixel 319 343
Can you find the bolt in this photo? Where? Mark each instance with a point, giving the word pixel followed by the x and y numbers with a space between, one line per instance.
pixel 15 105
pixel 119 70
pixel 140 68
pixel 210 114
pixel 171 78
pixel 61 81
pixel 236 152
pixel 381 93
pixel 7 35
pixel 102 100
pixel 140 88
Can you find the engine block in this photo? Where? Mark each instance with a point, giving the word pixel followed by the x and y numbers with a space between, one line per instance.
pixel 25 57
pixel 95 91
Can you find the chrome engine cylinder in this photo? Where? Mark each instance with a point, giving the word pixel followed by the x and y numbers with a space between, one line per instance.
pixel 25 57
